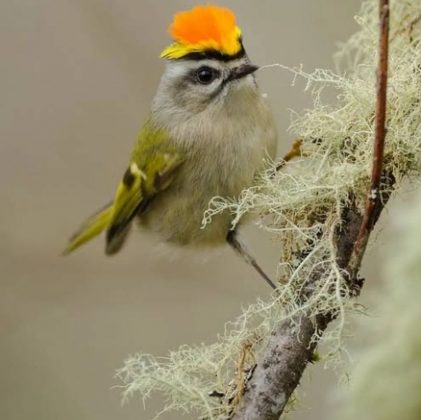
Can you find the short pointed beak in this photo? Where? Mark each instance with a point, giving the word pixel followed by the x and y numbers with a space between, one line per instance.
pixel 242 71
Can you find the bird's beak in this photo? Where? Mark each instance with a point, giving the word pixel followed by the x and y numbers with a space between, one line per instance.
pixel 242 71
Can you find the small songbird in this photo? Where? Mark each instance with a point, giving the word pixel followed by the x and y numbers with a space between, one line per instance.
pixel 209 134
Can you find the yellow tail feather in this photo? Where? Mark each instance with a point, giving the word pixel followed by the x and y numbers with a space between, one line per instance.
pixel 130 199
pixel 91 228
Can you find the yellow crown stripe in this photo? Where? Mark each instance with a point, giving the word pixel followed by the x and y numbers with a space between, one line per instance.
pixel 229 45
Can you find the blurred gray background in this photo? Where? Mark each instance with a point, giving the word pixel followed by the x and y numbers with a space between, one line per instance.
pixel 77 78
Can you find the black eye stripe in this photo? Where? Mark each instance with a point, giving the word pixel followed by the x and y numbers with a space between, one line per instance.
pixel 212 54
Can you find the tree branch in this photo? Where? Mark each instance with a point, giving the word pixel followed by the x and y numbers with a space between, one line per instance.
pixel 373 195
pixel 290 349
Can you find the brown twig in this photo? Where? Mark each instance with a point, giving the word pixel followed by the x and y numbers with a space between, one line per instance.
pixel 294 151
pixel 240 381
pixel 288 352
pixel 373 195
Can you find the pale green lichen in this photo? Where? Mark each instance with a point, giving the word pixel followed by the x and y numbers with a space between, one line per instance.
pixel 301 206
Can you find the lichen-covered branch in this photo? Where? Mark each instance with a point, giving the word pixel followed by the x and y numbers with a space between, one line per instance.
pixel 291 348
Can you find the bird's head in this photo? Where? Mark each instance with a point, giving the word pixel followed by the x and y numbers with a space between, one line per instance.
pixel 206 64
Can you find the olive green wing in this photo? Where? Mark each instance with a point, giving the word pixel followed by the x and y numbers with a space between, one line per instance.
pixel 153 167
pixel 128 199
pixel 135 191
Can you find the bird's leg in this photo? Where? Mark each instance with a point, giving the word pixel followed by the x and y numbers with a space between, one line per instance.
pixel 242 251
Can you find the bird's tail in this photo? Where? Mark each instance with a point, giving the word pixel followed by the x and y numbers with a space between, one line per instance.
pixel 116 218
pixel 97 223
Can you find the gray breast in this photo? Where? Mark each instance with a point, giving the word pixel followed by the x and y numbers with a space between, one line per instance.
pixel 223 153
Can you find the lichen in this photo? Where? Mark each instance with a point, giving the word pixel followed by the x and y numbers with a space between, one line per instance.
pixel 301 205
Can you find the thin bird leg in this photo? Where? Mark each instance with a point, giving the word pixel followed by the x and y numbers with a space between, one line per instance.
pixel 242 251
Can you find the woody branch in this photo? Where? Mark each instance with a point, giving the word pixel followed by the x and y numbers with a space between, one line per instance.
pixel 278 372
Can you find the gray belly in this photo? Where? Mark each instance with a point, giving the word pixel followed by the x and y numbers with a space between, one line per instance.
pixel 222 164
pixel 177 213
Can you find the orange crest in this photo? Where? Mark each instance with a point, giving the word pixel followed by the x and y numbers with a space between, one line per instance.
pixel 202 29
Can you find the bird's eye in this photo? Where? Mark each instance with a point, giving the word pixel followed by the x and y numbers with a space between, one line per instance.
pixel 206 75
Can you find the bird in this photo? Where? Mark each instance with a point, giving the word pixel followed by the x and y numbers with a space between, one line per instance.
pixel 210 132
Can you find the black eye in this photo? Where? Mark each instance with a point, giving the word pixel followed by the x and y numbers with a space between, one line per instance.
pixel 206 75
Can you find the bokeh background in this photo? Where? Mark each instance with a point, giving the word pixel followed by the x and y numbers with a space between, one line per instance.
pixel 76 81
